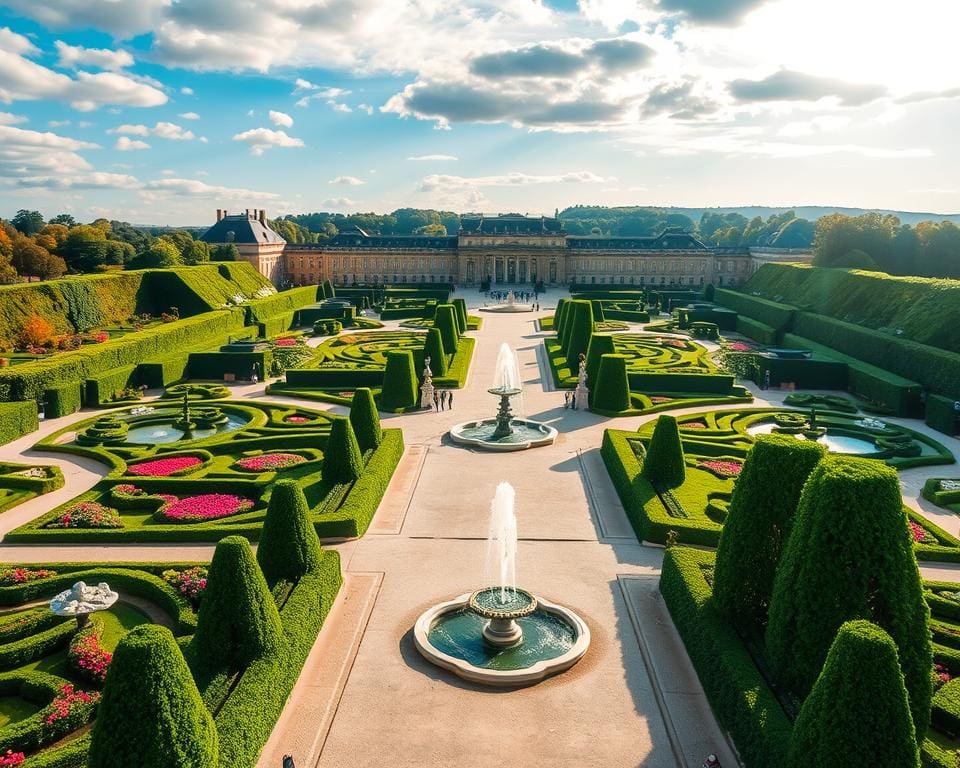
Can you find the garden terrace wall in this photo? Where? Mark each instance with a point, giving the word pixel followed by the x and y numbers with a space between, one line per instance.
pixel 777 316
pixel 213 365
pixel 724 319
pixel 941 414
pixel 806 373
pixel 920 309
pixel 16 420
pixel 698 383
pixel 761 332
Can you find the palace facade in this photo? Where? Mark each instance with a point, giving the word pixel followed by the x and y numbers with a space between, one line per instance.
pixel 505 248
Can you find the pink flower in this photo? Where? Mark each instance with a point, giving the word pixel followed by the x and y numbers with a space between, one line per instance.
pixel 11 759
pixel 739 346
pixel 721 468
pixel 10 576
pixel 87 514
pixel 207 506
pixel 297 419
pixel 164 467
pixel 917 531
pixel 268 462
pixel 285 342
pixel 89 657
pixel 66 702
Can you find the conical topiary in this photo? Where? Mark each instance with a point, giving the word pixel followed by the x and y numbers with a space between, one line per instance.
pixel 758 525
pixel 663 465
pixel 857 712
pixel 151 714
pixel 288 546
pixel 558 317
pixel 365 419
pixel 461 307
pixel 399 381
pixel 600 344
pixel 433 348
pixel 238 620
pixel 569 315
pixel 342 460
pixel 611 391
pixel 581 328
pixel 849 556
pixel 328 290
pixel 445 320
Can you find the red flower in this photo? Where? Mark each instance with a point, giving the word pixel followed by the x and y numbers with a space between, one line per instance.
pixel 268 462
pixel 164 467
pixel 207 506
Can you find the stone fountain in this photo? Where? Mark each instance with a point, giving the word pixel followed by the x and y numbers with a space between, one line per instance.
pixel 505 432
pixel 500 634
pixel 510 305
pixel 81 600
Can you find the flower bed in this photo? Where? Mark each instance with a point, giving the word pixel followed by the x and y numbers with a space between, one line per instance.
pixel 70 709
pixel 189 583
pixel 87 514
pixel 87 657
pixel 721 468
pixel 10 576
pixel 268 462
pixel 286 341
pixel 11 759
pixel 206 506
pixel 164 467
pixel 296 418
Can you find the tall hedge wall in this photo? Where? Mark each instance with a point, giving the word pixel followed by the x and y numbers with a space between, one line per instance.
pixel 17 419
pixel 941 415
pixel 772 313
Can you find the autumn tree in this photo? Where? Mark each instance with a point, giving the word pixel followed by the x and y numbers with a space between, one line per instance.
pixel 28 222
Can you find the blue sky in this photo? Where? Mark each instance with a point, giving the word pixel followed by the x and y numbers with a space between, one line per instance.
pixel 159 112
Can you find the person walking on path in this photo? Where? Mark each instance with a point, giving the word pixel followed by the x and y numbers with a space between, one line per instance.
pixel 450 401
pixel 436 401
pixel 443 399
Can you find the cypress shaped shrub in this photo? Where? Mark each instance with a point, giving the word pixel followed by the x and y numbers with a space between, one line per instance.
pixel 758 525
pixel 445 319
pixel 611 392
pixel 288 546
pixel 151 714
pixel 433 348
pixel 238 620
pixel 600 344
pixel 663 465
pixel 850 556
pixel 461 306
pixel 581 328
pixel 399 381
pixel 365 419
pixel 328 290
pixel 569 311
pixel 857 712
pixel 558 317
pixel 342 460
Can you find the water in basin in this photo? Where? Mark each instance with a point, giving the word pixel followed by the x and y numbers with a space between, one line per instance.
pixel 833 443
pixel 459 634
pixel 164 432
pixel 521 433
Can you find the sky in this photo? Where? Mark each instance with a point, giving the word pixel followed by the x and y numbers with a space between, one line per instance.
pixel 160 112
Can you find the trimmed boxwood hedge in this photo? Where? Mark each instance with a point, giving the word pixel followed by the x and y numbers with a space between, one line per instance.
pixel 399 381
pixel 739 696
pixel 16 420
pixel 663 465
pixel 611 390
pixel 941 414
pixel 365 419
pixel 288 546
pixel 771 313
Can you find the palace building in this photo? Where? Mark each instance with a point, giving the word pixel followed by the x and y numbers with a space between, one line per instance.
pixel 505 248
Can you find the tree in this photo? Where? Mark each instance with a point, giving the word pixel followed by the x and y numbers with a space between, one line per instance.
pixel 28 222
pixel 151 714
pixel 238 620
pixel 758 525
pixel 198 252
pixel 342 460
pixel 64 219
pixel 431 230
pixel 433 348
pixel 445 320
pixel 288 547
pixel 663 465
pixel 611 390
pixel 581 328
pixel 30 259
pixel 224 252
pixel 600 344
pixel 858 706
pixel 365 419
pixel 7 273
pixel 118 252
pixel 85 248
pixel 35 331
pixel 856 259
pixel 162 253
pixel 399 381
pixel 849 556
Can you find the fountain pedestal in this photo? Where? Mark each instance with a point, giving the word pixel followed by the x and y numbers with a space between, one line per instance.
pixel 502 606
pixel 504 414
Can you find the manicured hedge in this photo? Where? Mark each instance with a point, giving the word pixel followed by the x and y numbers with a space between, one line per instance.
pixel 365 419
pixel 817 372
pixel 941 414
pixel 62 400
pixel 342 460
pixel 739 696
pixel 213 365
pixel 611 391
pixel 280 304
pixel 581 328
pixel 104 387
pixel 16 420
pixel 663 464
pixel 289 547
pixel 761 332
pixel 771 313
pixel 399 380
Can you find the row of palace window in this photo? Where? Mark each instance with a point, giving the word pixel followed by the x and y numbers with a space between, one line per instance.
pixel 580 265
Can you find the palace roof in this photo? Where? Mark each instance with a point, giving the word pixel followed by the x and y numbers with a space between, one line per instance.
pixel 509 224
pixel 241 229
pixel 671 239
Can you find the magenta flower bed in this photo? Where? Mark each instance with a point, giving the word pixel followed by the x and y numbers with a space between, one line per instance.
pixel 740 346
pixel 87 514
pixel 164 467
pixel 722 468
pixel 285 342
pixel 268 462
pixel 297 419
pixel 920 534
pixel 206 506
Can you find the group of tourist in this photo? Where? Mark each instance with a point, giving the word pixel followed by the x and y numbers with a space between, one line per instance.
pixel 522 296
pixel 569 400
pixel 442 399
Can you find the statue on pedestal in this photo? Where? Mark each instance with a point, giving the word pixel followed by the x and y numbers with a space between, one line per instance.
pixel 581 394
pixel 426 389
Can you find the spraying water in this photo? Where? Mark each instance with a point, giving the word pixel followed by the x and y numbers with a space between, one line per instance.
pixel 506 373
pixel 502 541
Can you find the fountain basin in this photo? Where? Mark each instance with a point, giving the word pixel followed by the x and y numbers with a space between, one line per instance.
pixel 526 434
pixel 451 636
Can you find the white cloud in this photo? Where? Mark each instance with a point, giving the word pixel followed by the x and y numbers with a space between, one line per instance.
pixel 437 158
pixel 281 118
pixel 338 202
pixel 200 189
pixel 437 182
pixel 162 130
pixel 189 115
pixel 339 107
pixel 8 118
pixel 349 181
pixel 72 56
pixel 24 80
pixel 92 180
pixel 122 18
pixel 32 153
pixel 262 139
pixel 126 144
pixel 365 108
pixel 168 172
pixel 328 95
pixel 186 91
pixel 304 85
